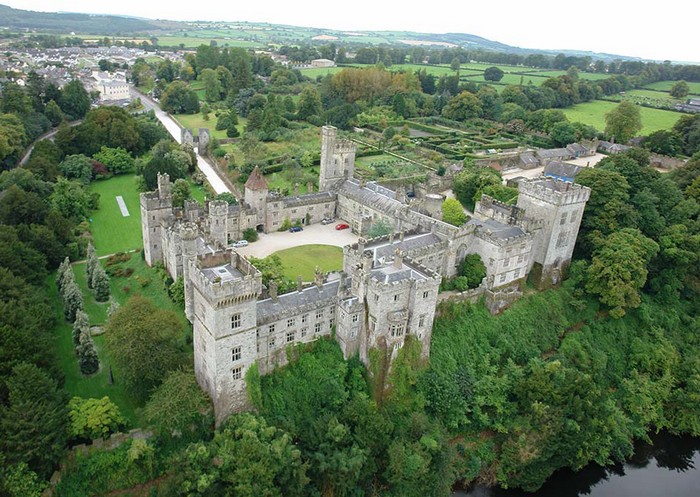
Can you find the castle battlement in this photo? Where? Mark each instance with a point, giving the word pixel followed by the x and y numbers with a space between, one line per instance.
pixel 152 201
pixel 489 207
pixel 555 192
pixel 225 277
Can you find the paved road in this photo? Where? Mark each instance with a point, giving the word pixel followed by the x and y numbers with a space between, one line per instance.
pixel 315 234
pixel 45 136
pixel 174 129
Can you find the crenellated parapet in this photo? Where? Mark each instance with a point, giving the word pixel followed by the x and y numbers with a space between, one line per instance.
pixel 554 192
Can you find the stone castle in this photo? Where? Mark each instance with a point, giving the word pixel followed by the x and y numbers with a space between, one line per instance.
pixel 388 287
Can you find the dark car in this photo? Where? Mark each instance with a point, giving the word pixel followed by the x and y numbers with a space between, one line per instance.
pixel 295 229
pixel 342 226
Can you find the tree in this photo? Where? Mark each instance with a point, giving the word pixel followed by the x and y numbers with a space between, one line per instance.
pixel 94 418
pixel 74 101
pixel 212 85
pixel 179 98
pixel 100 283
pixel 247 458
pixel 77 167
pixel 473 269
pixel 453 212
pixel 379 228
pixel 455 64
pixel 471 181
pixel 618 269
pixel 19 481
pixel 664 142
pixel 91 262
pixel 179 406
pixel 13 138
pixel 72 300
pixel 117 160
pixel 309 103
pixel 464 106
pixel 88 361
pixel 81 324
pixel 680 89
pixel 33 420
pixel 493 74
pixel 144 344
pixel 563 133
pixel 181 191
pixel 623 122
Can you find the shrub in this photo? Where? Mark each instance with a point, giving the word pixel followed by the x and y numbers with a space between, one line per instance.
pixel 94 418
pixel 250 235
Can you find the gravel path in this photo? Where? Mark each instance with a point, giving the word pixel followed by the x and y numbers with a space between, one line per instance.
pixel 315 234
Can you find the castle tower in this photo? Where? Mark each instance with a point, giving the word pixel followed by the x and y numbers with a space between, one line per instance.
pixel 337 159
pixel 256 191
pixel 188 235
pixel 559 205
pixel 218 222
pixel 156 207
pixel 225 288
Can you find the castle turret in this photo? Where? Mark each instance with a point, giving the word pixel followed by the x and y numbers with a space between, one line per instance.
pixel 337 159
pixel 218 218
pixel 225 289
pixel 559 205
pixel 188 235
pixel 156 207
pixel 256 191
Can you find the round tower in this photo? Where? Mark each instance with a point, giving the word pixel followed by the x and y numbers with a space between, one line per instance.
pixel 432 204
pixel 218 217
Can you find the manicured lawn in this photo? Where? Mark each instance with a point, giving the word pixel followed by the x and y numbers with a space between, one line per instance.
pixel 111 231
pixel 305 259
pixel 593 113
pixel 144 281
pixel 277 180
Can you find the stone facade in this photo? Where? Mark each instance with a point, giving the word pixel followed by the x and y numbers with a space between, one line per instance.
pixel 388 287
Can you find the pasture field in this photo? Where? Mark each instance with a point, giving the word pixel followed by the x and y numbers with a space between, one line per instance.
pixel 666 86
pixel 202 39
pixel 593 113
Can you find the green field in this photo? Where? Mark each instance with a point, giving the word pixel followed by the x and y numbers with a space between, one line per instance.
pixel 313 72
pixel 192 42
pixel 509 79
pixel 305 259
pixel 593 113
pixel 196 121
pixel 666 86
pixel 111 231
pixel 582 75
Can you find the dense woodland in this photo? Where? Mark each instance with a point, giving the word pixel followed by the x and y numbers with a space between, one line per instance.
pixel 565 377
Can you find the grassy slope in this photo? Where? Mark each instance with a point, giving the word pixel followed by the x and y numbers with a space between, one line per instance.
pixel 111 231
pixel 304 260
pixel 666 86
pixel 593 113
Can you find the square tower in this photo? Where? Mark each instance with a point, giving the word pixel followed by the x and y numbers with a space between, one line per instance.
pixel 156 208
pixel 224 290
pixel 337 159
pixel 559 206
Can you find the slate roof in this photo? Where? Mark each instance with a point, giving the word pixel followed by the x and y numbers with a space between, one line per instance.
pixel 561 170
pixel 528 159
pixel 256 180
pixel 553 153
pixel 202 247
pixel 495 229
pixel 308 199
pixel 373 196
pixel 391 274
pixel 294 302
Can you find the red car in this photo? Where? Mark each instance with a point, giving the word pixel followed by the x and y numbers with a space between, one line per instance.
pixel 342 226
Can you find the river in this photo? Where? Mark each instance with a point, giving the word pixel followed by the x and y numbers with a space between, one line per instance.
pixel 669 467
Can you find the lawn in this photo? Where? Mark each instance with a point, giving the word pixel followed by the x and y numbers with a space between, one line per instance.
pixel 305 259
pixel 144 281
pixel 196 121
pixel 593 113
pixel 111 231
pixel 313 72
pixel 666 86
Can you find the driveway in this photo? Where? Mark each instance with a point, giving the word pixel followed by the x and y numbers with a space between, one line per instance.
pixel 315 234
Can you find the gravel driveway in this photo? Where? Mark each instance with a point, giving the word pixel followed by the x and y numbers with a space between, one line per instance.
pixel 315 234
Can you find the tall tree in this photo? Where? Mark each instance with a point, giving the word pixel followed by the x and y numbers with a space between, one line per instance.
pixel 74 101
pixel 623 122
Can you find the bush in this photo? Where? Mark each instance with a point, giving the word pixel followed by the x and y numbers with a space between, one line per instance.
pixel 250 235
pixel 94 418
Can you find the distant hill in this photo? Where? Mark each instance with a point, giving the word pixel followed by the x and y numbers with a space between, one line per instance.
pixel 65 22
pixel 254 34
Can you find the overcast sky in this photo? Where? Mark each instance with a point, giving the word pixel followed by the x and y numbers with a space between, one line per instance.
pixel 666 29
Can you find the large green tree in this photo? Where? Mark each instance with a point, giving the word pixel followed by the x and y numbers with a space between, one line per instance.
pixel 453 212
pixel 74 101
pixel 623 122
pixel 145 344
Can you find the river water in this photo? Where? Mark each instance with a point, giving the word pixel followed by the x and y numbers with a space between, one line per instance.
pixel 670 467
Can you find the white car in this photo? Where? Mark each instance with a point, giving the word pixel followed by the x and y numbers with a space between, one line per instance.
pixel 241 243
pixel 327 220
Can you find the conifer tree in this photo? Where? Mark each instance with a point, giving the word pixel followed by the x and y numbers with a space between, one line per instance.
pixel 87 354
pixel 100 283
pixel 113 307
pixel 91 263
pixel 72 300
pixel 63 269
pixel 81 323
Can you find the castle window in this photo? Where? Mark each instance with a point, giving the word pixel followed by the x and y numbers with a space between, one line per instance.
pixel 562 220
pixel 353 333
pixel 319 314
pixel 520 258
pixel 396 330
pixel 516 273
pixel 275 214
pixel 317 328
pixel 257 333
pixel 425 295
pixel 331 322
pixel 376 298
pixel 271 329
pixel 574 215
pixel 563 239
pixel 291 322
pixel 155 246
pixel 290 336
pixel 154 230
pixel 271 343
pixel 154 218
pixel 304 318
pixel 503 277
pixel 506 262
pixel 235 321
pixel 355 318
pixel 236 354
pixel 237 373
pixel 421 321
pixel 294 211
pixel 304 331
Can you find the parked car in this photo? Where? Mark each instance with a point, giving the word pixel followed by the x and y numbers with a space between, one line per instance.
pixel 295 229
pixel 241 243
pixel 342 226
pixel 327 220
